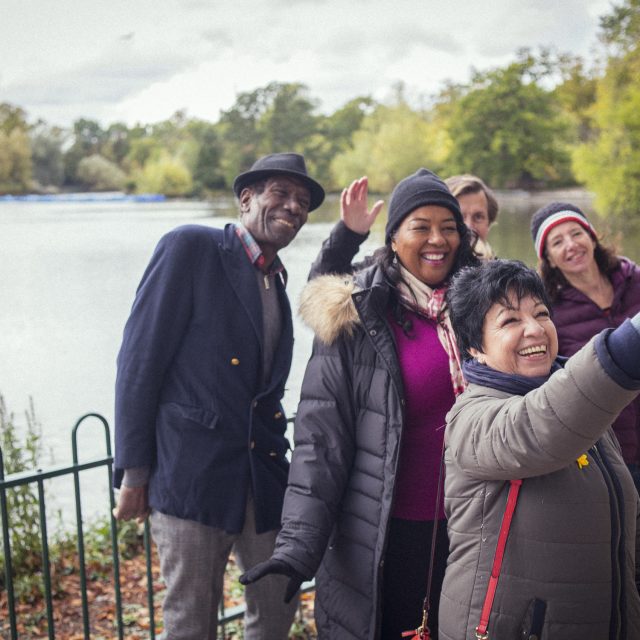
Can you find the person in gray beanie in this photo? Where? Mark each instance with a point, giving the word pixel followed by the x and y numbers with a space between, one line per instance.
pixel 591 288
pixel 361 509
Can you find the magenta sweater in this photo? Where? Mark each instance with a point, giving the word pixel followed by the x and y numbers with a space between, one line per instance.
pixel 428 395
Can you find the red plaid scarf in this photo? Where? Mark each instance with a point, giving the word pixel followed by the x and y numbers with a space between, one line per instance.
pixel 430 303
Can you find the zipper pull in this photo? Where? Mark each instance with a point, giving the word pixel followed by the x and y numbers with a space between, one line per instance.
pixel 266 282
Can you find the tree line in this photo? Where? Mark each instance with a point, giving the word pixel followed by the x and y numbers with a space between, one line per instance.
pixel 545 120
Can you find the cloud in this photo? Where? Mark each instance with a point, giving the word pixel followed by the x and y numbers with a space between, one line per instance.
pixel 564 26
pixel 91 84
pixel 112 77
pixel 402 38
pixel 217 37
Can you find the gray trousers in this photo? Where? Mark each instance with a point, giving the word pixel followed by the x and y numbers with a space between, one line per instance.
pixel 193 558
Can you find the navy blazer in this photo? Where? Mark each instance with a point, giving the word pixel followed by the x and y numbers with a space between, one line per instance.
pixel 190 403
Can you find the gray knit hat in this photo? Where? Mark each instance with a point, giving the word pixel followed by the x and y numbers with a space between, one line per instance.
pixel 422 188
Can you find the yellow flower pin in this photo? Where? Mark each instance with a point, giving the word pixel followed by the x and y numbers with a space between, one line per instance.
pixel 582 461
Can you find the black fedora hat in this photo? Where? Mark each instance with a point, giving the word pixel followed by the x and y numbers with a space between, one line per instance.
pixel 286 164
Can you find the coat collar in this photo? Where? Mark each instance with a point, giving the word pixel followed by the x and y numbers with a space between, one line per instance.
pixel 332 305
pixel 241 273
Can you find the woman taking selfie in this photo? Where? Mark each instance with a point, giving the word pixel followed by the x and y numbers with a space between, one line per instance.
pixel 360 508
pixel 534 474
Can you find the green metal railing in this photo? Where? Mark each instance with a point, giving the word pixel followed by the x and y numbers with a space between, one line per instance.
pixel 38 477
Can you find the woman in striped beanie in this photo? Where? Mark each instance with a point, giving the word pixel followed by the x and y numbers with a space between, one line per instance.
pixel 591 289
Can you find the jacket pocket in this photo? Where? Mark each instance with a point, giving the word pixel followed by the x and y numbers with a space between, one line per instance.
pixel 533 621
pixel 184 412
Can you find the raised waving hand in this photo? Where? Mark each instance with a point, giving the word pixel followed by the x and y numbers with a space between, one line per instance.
pixel 353 206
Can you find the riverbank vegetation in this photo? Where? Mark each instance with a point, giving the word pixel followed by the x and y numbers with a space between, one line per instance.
pixel 546 120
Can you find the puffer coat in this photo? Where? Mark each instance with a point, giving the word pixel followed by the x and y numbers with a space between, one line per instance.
pixel 347 440
pixel 573 542
pixel 578 319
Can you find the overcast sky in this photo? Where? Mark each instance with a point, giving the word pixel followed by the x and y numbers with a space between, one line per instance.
pixel 141 60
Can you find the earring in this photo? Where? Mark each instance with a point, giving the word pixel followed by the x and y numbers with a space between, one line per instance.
pixel 395 259
pixel 480 360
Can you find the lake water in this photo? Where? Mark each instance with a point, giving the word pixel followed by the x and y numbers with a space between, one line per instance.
pixel 68 273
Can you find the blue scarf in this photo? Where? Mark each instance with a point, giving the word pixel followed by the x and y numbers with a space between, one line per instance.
pixel 509 382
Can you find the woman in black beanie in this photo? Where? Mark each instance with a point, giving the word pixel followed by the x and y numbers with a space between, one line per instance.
pixel 361 508
pixel 591 289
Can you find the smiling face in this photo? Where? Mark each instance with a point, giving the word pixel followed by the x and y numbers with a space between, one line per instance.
pixel 475 211
pixel 274 216
pixel 427 242
pixel 570 248
pixel 518 337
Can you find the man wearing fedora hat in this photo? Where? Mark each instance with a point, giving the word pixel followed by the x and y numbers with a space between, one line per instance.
pixel 199 428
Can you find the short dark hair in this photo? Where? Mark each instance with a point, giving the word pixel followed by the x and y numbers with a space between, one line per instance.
pixel 474 290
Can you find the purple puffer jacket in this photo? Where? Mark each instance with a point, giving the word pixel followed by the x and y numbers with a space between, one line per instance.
pixel 578 318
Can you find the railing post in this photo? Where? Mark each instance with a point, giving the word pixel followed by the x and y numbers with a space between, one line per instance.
pixel 150 594
pixel 46 569
pixel 113 526
pixel 6 541
pixel 80 531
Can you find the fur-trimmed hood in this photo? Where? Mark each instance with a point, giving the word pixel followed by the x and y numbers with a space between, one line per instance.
pixel 326 306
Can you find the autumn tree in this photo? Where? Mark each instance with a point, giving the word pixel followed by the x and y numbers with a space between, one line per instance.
pixel 97 173
pixel 277 117
pixel 508 129
pixel 609 162
pixel 15 150
pixel 576 93
pixel 47 155
pixel 207 171
pixel 334 135
pixel 391 143
pixel 166 174
pixel 88 138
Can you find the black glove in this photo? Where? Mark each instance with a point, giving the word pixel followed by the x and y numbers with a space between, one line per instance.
pixel 279 567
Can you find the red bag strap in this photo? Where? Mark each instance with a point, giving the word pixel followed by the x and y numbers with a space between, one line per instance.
pixel 512 499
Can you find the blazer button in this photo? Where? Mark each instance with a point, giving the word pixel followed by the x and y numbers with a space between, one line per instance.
pixel 235 362
pixel 277 415
pixel 273 454
pixel 252 445
pixel 373 332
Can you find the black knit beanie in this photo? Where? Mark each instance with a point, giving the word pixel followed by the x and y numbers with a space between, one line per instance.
pixel 551 215
pixel 420 189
